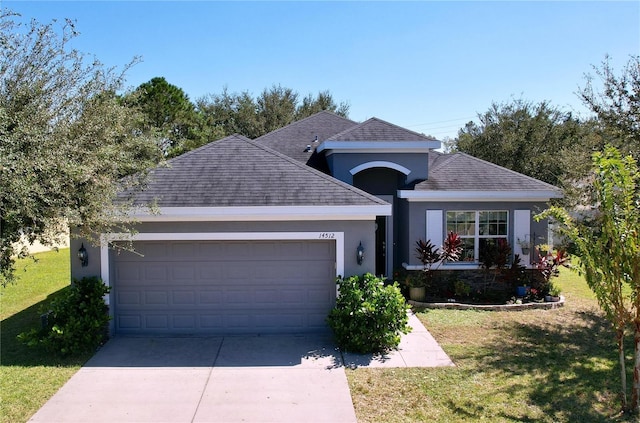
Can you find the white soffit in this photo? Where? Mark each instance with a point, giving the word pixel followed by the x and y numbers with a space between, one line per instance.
pixel 378 146
pixel 261 213
pixel 480 196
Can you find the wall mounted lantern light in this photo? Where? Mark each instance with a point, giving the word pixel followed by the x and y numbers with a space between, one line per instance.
pixel 360 253
pixel 83 256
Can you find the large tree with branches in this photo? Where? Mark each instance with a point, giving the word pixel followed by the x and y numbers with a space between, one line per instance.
pixel 66 142
pixel 615 100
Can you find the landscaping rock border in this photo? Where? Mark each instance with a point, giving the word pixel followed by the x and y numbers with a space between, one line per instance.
pixel 491 307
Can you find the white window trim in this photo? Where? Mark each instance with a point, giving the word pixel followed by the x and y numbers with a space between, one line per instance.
pixel 380 163
pixel 105 239
pixel 476 237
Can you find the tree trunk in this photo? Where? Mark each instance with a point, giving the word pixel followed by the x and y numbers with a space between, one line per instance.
pixel 635 392
pixel 623 369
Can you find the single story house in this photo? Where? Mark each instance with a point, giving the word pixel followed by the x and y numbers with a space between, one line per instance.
pixel 248 236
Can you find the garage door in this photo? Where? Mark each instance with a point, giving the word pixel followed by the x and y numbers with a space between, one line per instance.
pixel 223 287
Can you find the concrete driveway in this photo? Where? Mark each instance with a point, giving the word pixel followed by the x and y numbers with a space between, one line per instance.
pixel 226 379
pixel 218 379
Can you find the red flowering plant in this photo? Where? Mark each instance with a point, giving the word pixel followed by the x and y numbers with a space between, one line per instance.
pixel 432 257
pixel 548 266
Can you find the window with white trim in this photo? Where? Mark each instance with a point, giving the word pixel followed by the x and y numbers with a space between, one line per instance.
pixel 478 229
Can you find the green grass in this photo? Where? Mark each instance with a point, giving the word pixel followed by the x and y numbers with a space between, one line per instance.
pixel 28 376
pixel 536 365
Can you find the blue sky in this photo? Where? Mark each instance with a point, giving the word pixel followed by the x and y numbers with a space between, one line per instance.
pixel 427 66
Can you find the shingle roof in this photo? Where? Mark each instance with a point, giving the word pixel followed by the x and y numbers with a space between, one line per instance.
pixel 236 172
pixel 461 172
pixel 376 129
pixel 292 140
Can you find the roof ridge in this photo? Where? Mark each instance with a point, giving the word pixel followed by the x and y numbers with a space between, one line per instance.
pixel 311 170
pixel 296 122
pixel 444 158
pixel 403 128
pixel 204 147
pixel 507 169
pixel 372 119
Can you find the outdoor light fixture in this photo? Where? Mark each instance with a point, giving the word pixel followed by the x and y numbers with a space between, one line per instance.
pixel 360 253
pixel 83 256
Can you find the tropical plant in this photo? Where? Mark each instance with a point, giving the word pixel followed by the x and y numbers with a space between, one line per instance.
pixel 432 257
pixel 516 273
pixel 495 255
pixel 548 265
pixel 494 259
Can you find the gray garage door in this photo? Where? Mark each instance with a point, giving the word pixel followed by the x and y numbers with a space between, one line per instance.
pixel 218 287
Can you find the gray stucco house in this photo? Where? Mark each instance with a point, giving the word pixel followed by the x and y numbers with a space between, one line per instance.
pixel 249 235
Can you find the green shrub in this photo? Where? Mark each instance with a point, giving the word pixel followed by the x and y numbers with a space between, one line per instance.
pixel 77 322
pixel 369 317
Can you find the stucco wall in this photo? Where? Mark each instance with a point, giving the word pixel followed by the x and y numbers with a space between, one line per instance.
pixel 414 217
pixel 341 163
pixel 354 233
pixel 93 251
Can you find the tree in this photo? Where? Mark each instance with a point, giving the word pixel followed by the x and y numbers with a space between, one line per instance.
pixel 524 137
pixel 609 250
pixel 233 113
pixel 617 105
pixel 276 107
pixel 65 139
pixel 240 113
pixel 170 117
pixel 323 101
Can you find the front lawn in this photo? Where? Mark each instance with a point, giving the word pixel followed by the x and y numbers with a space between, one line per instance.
pixel 29 377
pixel 536 365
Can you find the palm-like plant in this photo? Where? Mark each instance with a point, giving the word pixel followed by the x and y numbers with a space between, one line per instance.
pixel 432 257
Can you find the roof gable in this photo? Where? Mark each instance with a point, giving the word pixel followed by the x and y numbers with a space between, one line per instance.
pixel 462 172
pixel 293 140
pixel 377 130
pixel 238 172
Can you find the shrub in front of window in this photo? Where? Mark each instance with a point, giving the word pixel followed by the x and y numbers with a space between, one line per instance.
pixel 494 257
pixel 369 317
pixel 77 322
